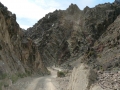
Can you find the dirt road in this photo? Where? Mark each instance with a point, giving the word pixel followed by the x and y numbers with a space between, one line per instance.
pixel 44 83
pixel 39 83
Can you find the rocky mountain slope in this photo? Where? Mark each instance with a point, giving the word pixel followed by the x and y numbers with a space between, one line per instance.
pixel 19 56
pixel 85 39
pixel 66 34
pixel 52 32
pixel 90 35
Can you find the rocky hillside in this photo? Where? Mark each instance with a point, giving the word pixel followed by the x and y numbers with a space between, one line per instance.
pixel 18 55
pixel 85 39
pixel 91 36
pixel 67 34
pixel 52 32
pixel 103 58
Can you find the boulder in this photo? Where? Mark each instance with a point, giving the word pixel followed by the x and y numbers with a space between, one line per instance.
pixel 82 78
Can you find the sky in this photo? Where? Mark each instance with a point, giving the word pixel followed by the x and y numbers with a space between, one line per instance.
pixel 28 12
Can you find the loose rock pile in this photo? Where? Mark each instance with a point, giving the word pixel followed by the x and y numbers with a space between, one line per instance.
pixel 110 80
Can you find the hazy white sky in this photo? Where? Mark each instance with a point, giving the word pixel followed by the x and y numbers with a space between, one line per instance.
pixel 28 12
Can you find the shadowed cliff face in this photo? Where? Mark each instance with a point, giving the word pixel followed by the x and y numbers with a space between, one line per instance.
pixel 17 54
pixel 67 34
pixel 52 32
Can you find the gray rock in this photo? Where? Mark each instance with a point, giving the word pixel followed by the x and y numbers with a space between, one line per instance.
pixel 117 1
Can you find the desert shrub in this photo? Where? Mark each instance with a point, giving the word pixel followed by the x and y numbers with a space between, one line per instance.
pixel 3 76
pixel 28 72
pixel 6 85
pixel 49 73
pixel 60 74
pixel 1 84
pixel 14 78
pixel 98 55
pixel 22 75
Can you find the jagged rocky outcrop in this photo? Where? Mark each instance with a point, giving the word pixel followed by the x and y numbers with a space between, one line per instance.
pixel 52 32
pixel 18 55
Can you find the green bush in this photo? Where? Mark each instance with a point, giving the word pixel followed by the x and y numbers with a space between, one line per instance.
pixel 22 75
pixel 28 73
pixel 49 73
pixel 14 78
pixel 3 76
pixel 60 74
pixel 99 56
pixel 1 84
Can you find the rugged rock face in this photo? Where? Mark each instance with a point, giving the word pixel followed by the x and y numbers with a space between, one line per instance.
pixel 103 57
pixel 107 47
pixel 93 35
pixel 70 34
pixel 52 32
pixel 63 35
pixel 18 55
